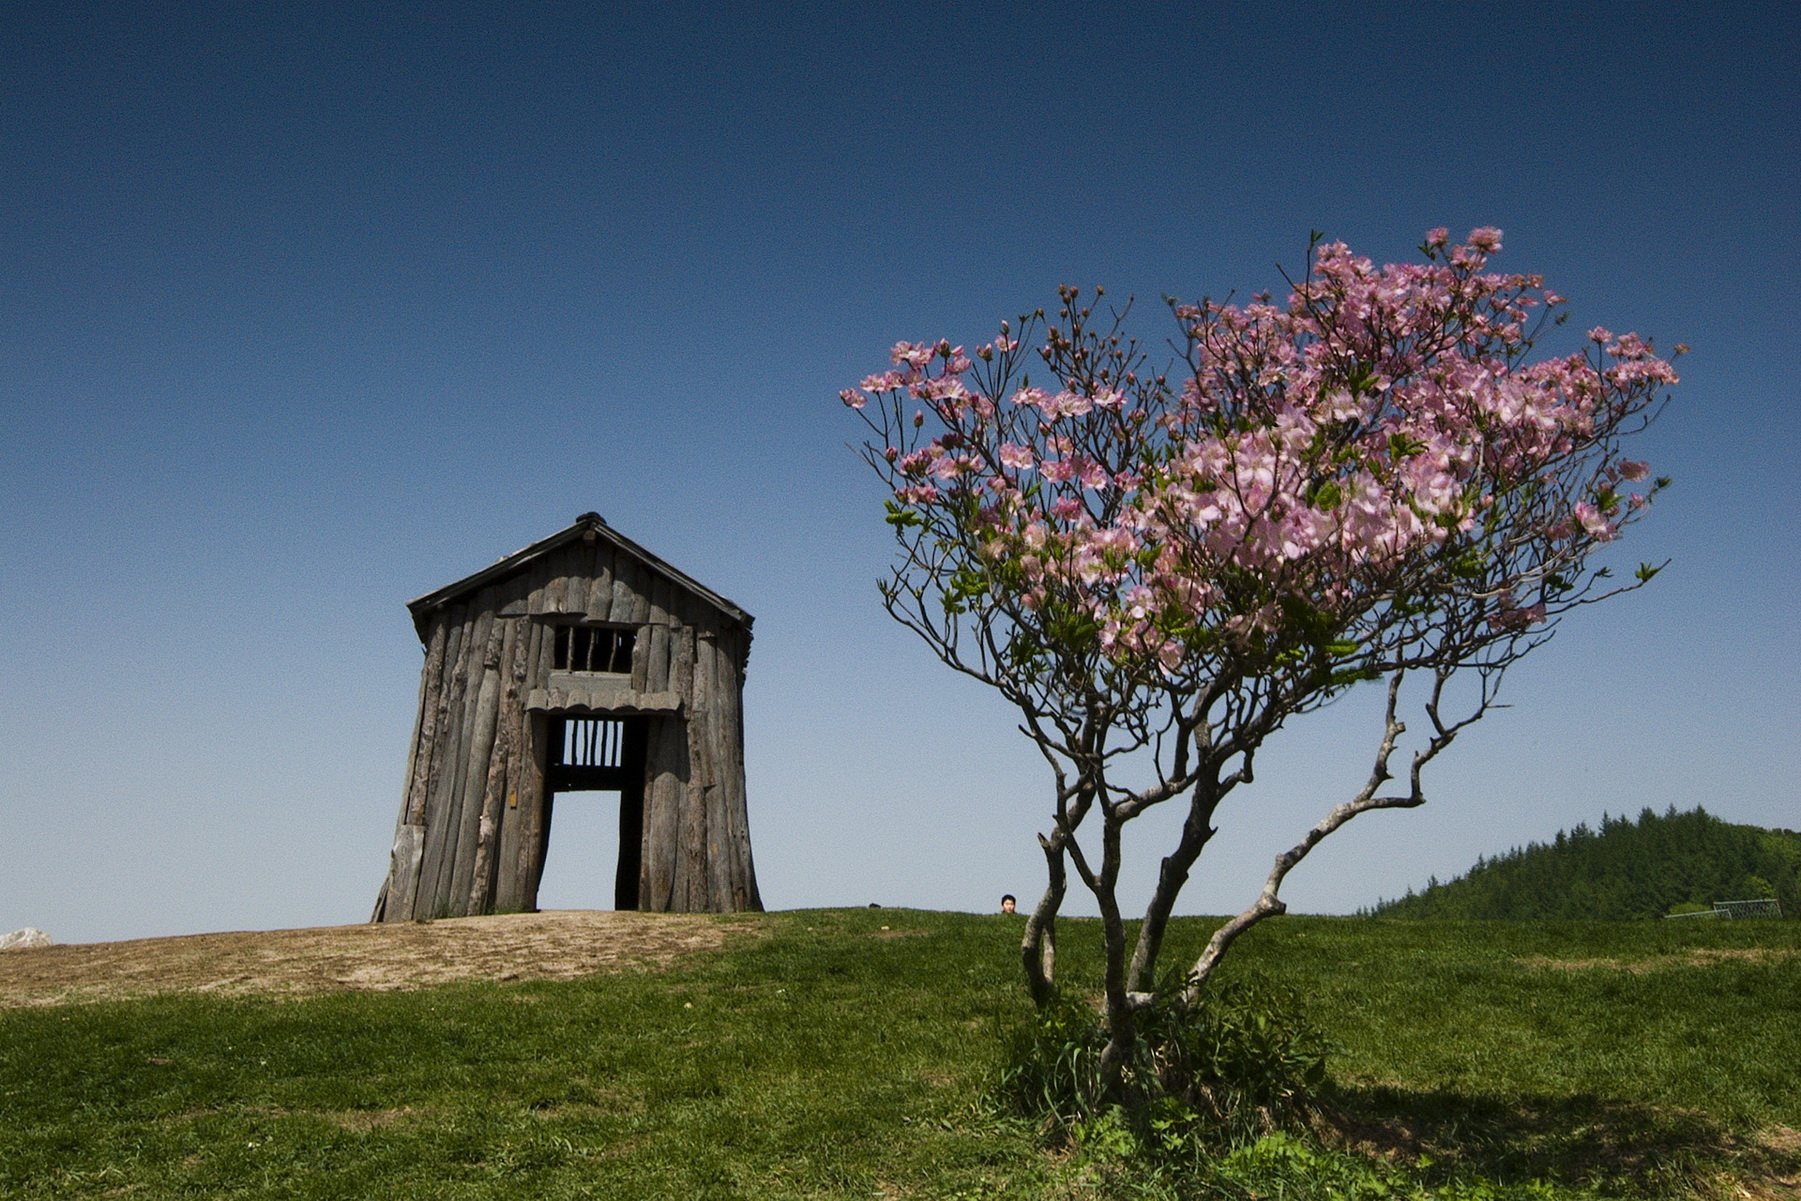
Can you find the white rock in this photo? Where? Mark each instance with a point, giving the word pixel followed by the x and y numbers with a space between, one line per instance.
pixel 24 940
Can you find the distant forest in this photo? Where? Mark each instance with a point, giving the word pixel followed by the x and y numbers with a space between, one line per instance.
pixel 1658 865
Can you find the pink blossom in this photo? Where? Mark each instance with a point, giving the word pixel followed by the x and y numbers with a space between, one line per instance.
pixel 950 467
pixel 1015 456
pixel 1634 469
pixel 1591 520
pixel 1511 617
pixel 917 357
pixel 1065 404
pixel 884 382
pixel 945 388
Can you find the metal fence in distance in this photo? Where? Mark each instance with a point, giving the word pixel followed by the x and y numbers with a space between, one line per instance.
pixel 1762 907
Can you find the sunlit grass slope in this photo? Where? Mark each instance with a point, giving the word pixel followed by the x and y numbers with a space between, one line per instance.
pixel 845 1054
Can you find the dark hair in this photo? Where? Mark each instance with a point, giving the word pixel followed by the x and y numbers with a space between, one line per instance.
pixel 1007 896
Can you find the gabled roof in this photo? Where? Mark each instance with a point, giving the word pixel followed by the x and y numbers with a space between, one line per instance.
pixel 587 525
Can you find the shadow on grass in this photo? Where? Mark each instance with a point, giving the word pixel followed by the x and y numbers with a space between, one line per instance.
pixel 1616 1146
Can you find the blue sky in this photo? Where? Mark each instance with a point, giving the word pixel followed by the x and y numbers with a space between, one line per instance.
pixel 304 313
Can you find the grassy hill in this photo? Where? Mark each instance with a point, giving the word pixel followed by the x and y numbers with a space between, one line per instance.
pixel 1625 870
pixel 845 1054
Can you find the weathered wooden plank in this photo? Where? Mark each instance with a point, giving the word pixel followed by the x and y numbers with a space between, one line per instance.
pixel 480 898
pixel 723 794
pixel 667 771
pixel 470 673
pixel 450 790
pixel 512 594
pixel 599 600
pixel 657 656
pixel 534 809
pixel 545 662
pixel 637 616
pixel 425 729
pixel 440 780
pixel 639 612
pixel 627 583
pixel 657 596
pixel 577 565
pixel 681 680
pixel 540 843
pixel 732 735
pixel 656 678
pixel 598 693
pixel 475 772
pixel 403 859
pixel 704 781
pixel 742 891
pixel 509 892
pixel 553 597
pixel 403 874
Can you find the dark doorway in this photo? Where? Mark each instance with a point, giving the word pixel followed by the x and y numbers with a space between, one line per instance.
pixel 603 754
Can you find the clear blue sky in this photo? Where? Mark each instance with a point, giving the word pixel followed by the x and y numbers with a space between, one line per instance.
pixel 306 312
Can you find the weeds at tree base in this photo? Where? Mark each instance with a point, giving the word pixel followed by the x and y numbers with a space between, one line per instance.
pixel 1240 1062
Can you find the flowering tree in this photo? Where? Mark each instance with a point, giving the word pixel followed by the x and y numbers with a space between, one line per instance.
pixel 1160 566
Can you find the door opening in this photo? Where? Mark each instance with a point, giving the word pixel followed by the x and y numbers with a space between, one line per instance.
pixel 589 756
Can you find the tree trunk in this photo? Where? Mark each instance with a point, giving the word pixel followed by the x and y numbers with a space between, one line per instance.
pixel 1196 832
pixel 1122 1028
pixel 1038 949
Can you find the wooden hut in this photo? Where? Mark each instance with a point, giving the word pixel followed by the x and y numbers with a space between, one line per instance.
pixel 581 662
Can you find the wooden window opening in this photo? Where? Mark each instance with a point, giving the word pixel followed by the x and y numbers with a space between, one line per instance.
pixel 594 649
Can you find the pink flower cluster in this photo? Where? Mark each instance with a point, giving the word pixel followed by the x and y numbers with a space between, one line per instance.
pixel 1332 451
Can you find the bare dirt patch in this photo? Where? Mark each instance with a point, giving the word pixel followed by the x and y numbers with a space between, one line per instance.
pixel 555 945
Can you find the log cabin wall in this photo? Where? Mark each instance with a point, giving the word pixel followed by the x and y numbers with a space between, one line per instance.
pixel 583 625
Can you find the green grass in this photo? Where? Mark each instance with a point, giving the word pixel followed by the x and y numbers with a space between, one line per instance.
pixel 832 1058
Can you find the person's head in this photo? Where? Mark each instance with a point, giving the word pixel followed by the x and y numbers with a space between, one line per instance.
pixel 1008 905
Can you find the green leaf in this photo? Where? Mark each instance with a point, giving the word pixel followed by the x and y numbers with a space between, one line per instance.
pixel 1400 446
pixel 901 517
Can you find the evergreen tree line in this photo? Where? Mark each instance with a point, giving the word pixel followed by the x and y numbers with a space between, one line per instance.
pixel 1677 862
